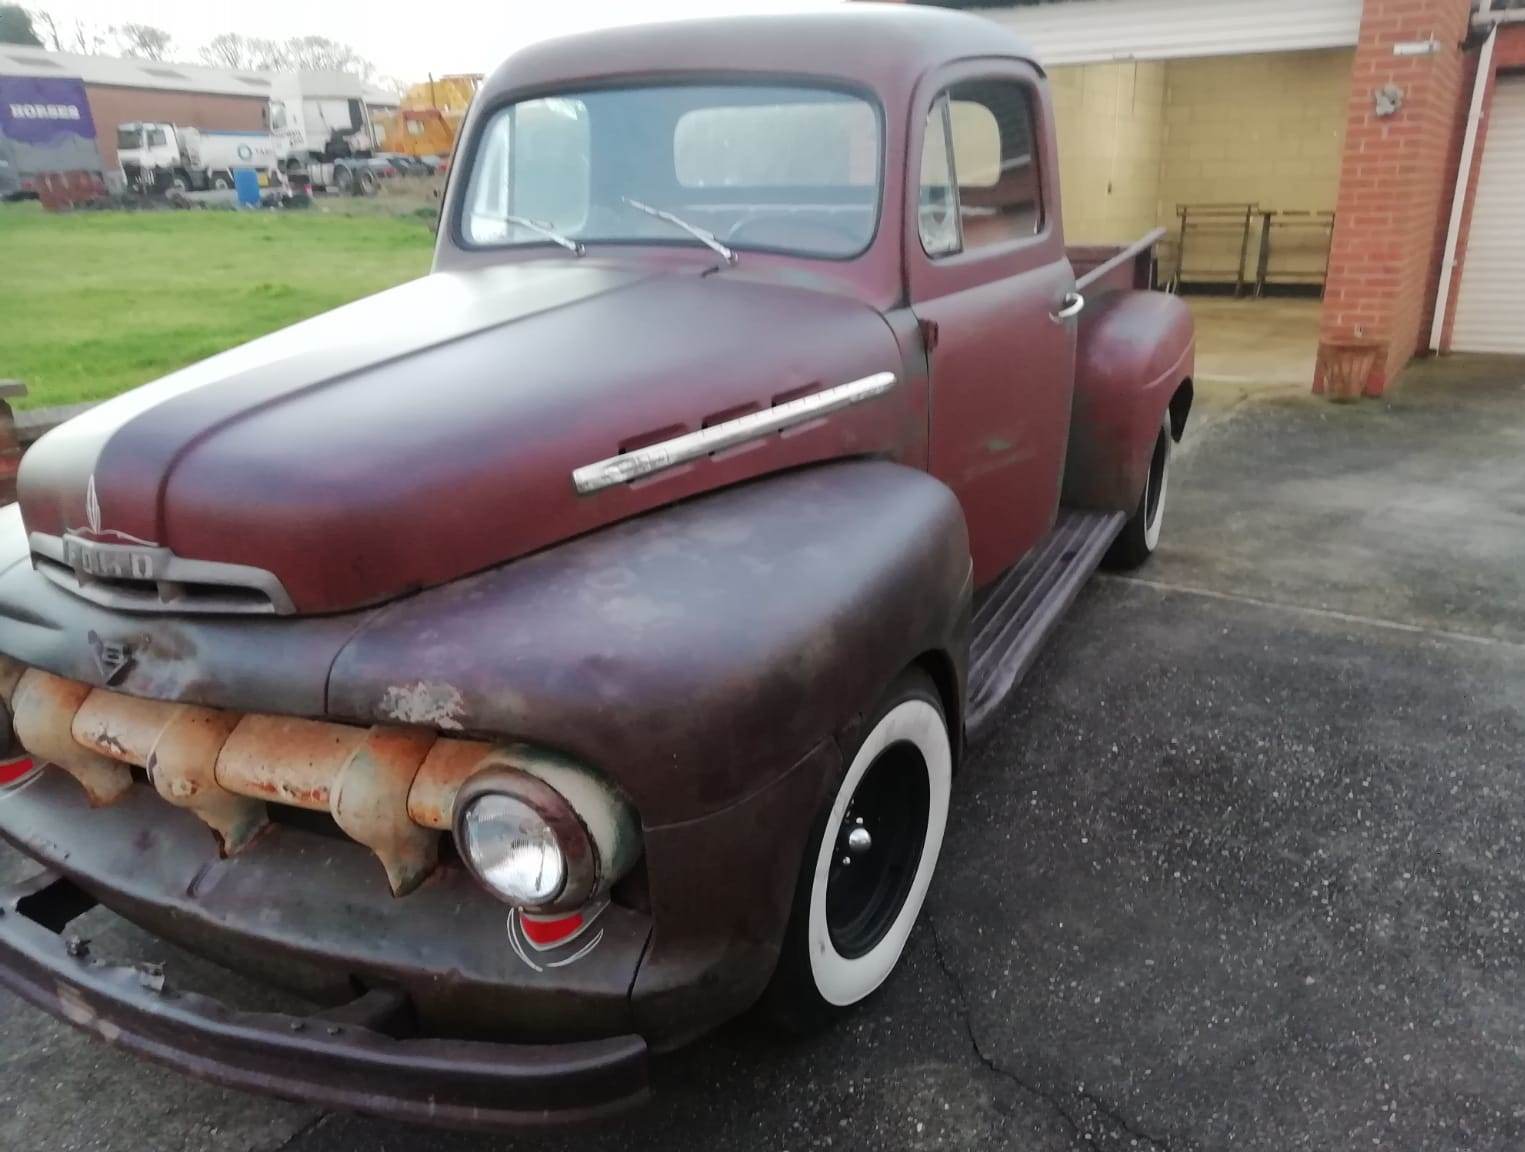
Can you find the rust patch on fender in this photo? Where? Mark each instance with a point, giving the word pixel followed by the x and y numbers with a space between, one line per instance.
pixel 425 704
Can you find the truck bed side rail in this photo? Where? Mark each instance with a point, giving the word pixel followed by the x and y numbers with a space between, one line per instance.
pixel 1098 271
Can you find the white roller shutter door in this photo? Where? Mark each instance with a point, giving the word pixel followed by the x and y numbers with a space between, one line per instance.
pixel 1490 307
pixel 1087 31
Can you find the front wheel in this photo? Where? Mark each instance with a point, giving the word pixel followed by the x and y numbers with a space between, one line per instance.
pixel 1141 534
pixel 869 862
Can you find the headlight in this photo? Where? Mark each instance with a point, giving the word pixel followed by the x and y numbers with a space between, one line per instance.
pixel 524 842
pixel 513 850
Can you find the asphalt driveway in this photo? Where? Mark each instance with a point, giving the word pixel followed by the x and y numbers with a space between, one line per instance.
pixel 1239 867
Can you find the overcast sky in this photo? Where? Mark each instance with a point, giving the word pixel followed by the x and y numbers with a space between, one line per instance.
pixel 403 39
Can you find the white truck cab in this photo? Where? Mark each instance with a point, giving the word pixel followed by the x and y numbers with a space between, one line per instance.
pixel 154 154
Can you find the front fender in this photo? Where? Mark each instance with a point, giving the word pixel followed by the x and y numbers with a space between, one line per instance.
pixel 706 658
pixel 1134 351
pixel 693 654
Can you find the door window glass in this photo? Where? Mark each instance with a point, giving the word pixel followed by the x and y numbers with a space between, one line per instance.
pixel 995 162
pixel 937 203
pixel 980 183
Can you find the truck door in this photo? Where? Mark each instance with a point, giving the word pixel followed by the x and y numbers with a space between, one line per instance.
pixel 986 265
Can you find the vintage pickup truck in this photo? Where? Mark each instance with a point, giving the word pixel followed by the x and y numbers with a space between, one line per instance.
pixel 544 661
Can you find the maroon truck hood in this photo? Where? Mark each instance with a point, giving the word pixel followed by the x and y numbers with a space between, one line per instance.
pixel 431 431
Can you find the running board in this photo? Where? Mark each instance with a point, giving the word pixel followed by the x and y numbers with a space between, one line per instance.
pixel 1014 616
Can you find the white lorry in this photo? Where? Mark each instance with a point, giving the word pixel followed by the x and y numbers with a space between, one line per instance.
pixel 323 131
pixel 156 155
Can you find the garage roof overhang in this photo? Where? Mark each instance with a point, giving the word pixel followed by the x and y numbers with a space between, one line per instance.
pixel 1087 31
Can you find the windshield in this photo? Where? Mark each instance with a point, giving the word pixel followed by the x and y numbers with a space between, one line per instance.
pixel 783 169
pixel 129 138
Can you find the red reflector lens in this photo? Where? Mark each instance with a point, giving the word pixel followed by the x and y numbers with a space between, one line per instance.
pixel 14 770
pixel 544 933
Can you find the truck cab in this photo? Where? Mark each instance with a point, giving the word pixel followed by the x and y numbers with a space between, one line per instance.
pixel 145 150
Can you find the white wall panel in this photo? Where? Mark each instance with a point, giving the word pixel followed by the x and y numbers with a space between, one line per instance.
pixel 1490 310
pixel 1085 31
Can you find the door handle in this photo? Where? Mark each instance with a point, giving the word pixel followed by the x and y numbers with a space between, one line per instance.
pixel 1074 304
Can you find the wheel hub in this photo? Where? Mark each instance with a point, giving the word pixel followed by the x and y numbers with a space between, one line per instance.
pixel 879 848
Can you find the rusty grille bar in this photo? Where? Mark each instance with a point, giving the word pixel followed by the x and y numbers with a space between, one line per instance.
pixel 390 788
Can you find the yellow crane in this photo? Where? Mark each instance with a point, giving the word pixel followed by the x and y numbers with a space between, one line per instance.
pixel 429 116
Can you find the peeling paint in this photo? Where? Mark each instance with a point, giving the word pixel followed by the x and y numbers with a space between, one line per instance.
pixel 433 705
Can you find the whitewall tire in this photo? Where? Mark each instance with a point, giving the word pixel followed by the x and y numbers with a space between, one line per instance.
pixel 1141 534
pixel 870 861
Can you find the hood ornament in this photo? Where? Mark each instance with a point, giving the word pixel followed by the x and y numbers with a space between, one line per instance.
pixel 112 658
pixel 93 525
pixel 92 507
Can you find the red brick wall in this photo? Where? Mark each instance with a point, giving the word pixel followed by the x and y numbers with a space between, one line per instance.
pixel 1395 181
pixel 110 106
pixel 1508 56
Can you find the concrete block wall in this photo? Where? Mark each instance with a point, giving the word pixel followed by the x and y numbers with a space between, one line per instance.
pixel 1267 129
pixel 1395 181
pixel 1111 124
pixel 1138 138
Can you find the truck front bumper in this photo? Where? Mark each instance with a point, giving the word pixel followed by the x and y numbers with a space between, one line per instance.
pixel 334 1059
pixel 438 979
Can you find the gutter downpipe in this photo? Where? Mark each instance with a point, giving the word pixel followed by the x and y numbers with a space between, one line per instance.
pixel 1464 176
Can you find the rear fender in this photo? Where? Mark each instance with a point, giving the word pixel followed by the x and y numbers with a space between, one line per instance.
pixel 1135 351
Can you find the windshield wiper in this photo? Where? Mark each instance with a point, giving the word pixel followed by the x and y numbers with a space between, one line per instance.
pixel 548 232
pixel 704 236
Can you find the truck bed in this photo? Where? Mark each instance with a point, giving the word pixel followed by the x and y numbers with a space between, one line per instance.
pixel 1112 268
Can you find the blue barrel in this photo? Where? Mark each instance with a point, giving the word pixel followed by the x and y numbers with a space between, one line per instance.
pixel 246 184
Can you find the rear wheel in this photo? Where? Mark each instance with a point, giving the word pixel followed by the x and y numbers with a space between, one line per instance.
pixel 1141 534
pixel 344 179
pixel 368 182
pixel 869 862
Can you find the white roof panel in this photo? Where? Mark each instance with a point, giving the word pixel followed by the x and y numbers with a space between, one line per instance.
pixel 1085 31
pixel 115 71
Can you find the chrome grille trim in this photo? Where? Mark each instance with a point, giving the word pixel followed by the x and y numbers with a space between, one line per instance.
pixel 177 585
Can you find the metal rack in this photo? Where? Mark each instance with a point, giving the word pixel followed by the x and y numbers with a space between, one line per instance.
pixel 1217 232
pixel 1294 249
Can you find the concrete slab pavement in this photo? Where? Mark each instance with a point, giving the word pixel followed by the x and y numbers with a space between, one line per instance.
pixel 1237 867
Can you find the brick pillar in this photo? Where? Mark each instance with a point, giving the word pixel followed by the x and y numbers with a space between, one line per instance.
pixel 1396 178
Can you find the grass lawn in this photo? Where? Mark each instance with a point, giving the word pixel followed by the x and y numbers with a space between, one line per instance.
pixel 94 303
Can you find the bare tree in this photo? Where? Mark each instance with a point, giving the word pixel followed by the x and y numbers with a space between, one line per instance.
pixel 242 53
pixel 86 39
pixel 320 54
pixel 300 53
pixel 44 23
pixel 142 41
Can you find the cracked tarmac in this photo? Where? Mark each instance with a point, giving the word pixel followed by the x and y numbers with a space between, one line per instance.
pixel 1237 867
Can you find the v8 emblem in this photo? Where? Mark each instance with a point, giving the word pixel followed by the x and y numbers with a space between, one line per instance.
pixel 112 658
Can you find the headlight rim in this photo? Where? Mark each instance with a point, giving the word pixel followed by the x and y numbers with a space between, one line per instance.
pixel 578 851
